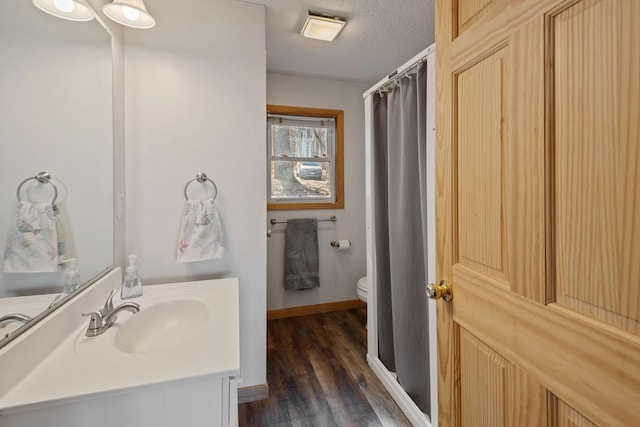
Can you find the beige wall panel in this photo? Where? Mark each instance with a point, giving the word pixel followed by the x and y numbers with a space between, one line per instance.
pixel 471 11
pixel 483 383
pixel 525 162
pixel 597 182
pixel 479 171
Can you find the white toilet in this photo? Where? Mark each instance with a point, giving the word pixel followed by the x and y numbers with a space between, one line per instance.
pixel 362 289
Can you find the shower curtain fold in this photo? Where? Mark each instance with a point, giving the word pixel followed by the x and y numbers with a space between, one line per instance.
pixel 399 155
pixel 381 227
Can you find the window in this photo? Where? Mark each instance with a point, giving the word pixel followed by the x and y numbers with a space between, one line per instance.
pixel 305 163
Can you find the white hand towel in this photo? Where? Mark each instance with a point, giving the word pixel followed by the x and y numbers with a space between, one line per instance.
pixel 32 244
pixel 202 237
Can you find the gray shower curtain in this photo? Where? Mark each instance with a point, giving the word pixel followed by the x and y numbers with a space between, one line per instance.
pixel 400 221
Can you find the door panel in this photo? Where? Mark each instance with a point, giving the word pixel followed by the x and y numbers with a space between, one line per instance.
pixel 484 393
pixel 528 400
pixel 479 146
pixel 566 416
pixel 498 394
pixel 597 219
pixel 568 354
pixel 538 212
pixel 525 162
pixel 470 11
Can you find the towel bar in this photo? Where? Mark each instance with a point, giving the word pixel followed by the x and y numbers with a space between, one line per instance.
pixel 274 221
pixel 43 178
pixel 201 177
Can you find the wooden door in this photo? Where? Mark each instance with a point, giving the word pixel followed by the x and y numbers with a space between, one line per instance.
pixel 538 212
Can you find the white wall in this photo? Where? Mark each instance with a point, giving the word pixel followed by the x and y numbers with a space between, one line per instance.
pixel 195 101
pixel 339 271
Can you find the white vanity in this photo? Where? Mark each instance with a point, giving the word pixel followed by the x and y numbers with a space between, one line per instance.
pixel 174 363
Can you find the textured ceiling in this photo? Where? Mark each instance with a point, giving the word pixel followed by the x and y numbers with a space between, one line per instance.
pixel 380 35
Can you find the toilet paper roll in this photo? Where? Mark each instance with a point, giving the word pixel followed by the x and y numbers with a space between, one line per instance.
pixel 344 245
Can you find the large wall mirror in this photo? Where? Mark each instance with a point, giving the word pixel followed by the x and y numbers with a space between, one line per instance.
pixel 56 116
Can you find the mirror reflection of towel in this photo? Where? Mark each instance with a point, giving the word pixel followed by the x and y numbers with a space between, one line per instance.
pixel 66 244
pixel 32 244
pixel 201 237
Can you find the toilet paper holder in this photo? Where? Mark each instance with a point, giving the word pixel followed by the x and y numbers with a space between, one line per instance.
pixel 340 243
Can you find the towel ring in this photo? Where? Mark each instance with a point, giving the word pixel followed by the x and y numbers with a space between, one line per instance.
pixel 43 178
pixel 201 177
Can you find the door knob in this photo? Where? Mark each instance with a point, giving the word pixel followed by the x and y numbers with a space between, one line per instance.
pixel 442 289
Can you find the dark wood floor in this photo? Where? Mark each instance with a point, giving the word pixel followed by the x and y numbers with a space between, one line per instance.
pixel 318 376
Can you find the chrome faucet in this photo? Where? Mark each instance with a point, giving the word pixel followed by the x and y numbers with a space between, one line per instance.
pixel 108 305
pixel 13 317
pixel 105 317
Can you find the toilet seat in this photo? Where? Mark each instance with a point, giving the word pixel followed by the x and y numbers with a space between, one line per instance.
pixel 362 289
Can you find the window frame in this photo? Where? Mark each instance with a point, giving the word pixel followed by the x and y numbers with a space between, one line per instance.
pixel 338 166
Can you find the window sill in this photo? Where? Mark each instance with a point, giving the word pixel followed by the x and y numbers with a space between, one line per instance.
pixel 339 204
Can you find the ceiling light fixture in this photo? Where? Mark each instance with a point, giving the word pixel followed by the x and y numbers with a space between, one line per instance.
pixel 72 10
pixel 321 27
pixel 131 13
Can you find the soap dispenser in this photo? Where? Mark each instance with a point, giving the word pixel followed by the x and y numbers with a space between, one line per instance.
pixel 132 286
pixel 71 276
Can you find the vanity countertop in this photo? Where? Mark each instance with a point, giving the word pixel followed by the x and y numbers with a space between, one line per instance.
pixel 82 367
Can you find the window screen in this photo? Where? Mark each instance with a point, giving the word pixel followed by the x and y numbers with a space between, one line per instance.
pixel 301 159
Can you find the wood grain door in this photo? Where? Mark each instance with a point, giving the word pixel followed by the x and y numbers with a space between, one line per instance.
pixel 538 212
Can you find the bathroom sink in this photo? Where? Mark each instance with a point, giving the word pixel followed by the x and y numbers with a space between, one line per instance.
pixel 162 326
pixel 186 330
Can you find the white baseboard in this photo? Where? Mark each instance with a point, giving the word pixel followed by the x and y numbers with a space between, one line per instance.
pixel 408 407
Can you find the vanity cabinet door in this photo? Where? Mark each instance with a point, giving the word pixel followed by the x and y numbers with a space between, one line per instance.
pixel 186 403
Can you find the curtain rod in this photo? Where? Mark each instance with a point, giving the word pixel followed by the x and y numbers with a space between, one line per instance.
pixel 400 71
pixel 300 118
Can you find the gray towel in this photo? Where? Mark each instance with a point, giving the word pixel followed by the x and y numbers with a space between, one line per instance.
pixel 301 255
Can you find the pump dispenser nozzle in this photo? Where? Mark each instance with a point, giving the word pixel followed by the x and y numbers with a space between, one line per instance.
pixel 132 260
